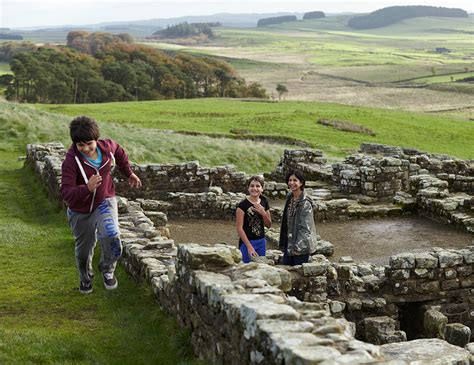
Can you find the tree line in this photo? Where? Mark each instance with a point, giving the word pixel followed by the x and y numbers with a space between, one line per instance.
pixel 101 67
pixel 289 18
pixel 393 14
pixel 276 20
pixel 11 36
pixel 8 50
pixel 186 29
pixel 314 15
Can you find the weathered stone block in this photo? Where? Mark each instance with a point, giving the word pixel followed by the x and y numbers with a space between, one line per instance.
pixel 450 274
pixel 457 334
pixel 425 351
pixel 426 261
pixel 402 274
pixel 424 273
pixel 467 282
pixel 378 329
pixel 465 270
pixel 450 284
pixel 337 307
pixel 449 259
pixel 198 257
pixel 434 323
pixel 317 266
pixel 404 288
pixel 354 304
pixel 428 287
pixel 402 261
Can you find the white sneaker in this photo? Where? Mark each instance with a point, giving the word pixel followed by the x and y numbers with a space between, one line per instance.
pixel 110 281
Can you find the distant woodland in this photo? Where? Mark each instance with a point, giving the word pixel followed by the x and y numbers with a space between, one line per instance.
pixel 185 29
pixel 393 14
pixel 314 15
pixel 276 20
pixel 102 67
pixel 11 36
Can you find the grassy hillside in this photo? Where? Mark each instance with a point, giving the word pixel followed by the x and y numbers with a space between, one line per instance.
pixel 21 124
pixel 293 119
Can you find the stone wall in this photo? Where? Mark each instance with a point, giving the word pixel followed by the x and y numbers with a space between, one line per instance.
pixel 431 197
pixel 375 177
pixel 258 308
pixel 161 179
pixel 458 173
pixel 311 162
pixel 360 292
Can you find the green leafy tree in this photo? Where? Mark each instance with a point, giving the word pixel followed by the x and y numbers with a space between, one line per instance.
pixel 281 89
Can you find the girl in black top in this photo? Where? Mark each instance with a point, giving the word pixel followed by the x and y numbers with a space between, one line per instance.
pixel 251 216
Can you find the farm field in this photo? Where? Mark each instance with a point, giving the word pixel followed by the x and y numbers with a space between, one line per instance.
pixel 325 60
pixel 297 120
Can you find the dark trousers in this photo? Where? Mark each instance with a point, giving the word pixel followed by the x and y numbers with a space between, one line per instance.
pixel 295 260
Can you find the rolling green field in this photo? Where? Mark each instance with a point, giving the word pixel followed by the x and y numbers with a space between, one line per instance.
pixel 293 119
pixel 325 60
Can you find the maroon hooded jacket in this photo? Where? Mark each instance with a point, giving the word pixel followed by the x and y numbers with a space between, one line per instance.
pixel 73 184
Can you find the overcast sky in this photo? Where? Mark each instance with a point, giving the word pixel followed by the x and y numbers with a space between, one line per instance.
pixel 27 13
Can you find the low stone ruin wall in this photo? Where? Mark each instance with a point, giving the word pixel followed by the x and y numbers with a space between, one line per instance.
pixel 262 313
pixel 161 179
pixel 375 177
pixel 359 183
pixel 311 162
pixel 430 197
pixel 458 173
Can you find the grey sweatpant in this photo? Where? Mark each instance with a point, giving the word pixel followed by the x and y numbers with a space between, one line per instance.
pixel 101 225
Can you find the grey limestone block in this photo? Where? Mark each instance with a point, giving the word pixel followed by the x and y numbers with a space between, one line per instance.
pixel 434 324
pixel 402 261
pixel 457 334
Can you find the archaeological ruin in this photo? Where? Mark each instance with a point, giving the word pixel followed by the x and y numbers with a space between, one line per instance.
pixel 419 308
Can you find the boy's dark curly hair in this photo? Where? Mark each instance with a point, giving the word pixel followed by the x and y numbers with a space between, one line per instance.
pixel 83 129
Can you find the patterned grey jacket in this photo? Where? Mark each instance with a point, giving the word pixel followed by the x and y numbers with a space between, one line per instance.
pixel 298 235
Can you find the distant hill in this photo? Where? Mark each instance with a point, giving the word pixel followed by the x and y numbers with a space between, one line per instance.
pixel 227 20
pixel 393 14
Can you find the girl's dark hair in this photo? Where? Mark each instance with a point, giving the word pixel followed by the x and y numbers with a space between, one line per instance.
pixel 83 129
pixel 256 178
pixel 299 175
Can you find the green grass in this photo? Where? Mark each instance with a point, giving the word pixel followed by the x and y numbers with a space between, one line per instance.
pixel 4 68
pixel 293 119
pixel 22 124
pixel 44 319
pixel 443 78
